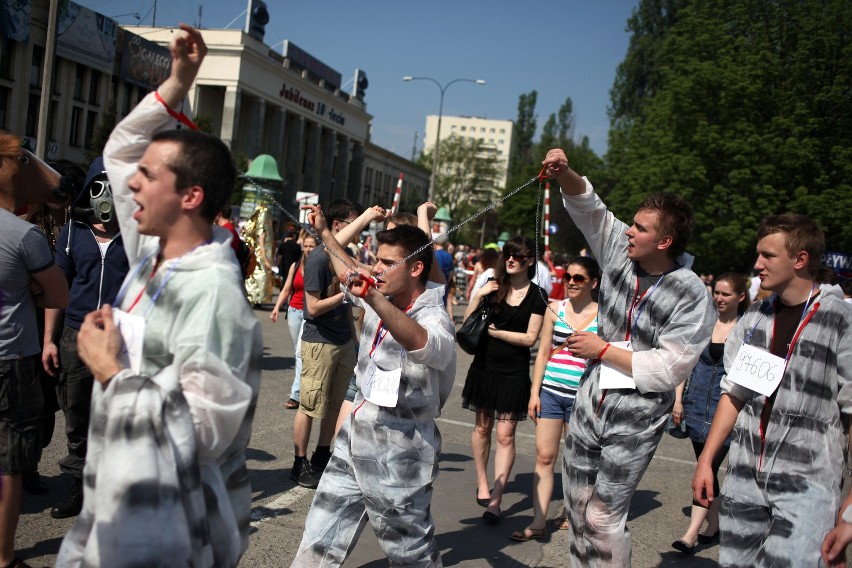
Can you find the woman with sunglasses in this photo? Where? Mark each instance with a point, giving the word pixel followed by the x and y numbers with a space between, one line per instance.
pixel 696 400
pixel 556 377
pixel 498 381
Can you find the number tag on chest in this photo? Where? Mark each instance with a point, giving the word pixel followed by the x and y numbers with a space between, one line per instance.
pixel 381 387
pixel 757 370
pixel 132 330
pixel 612 378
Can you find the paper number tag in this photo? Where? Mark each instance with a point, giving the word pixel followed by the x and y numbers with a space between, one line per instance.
pixel 612 378
pixel 132 330
pixel 381 387
pixel 757 370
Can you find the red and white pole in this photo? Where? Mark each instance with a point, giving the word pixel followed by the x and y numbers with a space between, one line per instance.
pixel 546 216
pixel 395 205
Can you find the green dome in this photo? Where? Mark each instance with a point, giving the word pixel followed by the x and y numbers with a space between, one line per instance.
pixel 264 167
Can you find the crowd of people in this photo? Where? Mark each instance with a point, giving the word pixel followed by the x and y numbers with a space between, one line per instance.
pixel 146 326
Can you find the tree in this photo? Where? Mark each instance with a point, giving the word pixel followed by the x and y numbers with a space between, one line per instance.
pixel 743 108
pixel 466 175
pixel 522 134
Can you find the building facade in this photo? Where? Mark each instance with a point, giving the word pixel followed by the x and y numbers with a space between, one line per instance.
pixel 382 169
pixel 495 136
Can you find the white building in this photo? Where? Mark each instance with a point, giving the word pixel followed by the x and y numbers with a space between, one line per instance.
pixel 496 135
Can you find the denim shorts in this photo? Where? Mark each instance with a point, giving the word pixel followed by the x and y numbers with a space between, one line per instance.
pixel 21 402
pixel 555 406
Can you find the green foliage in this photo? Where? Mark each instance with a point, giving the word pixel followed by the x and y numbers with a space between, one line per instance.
pixel 522 135
pixel 466 176
pixel 204 122
pixel 742 107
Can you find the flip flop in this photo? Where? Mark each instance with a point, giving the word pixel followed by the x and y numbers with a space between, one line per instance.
pixel 529 534
pixel 560 524
pixel 291 404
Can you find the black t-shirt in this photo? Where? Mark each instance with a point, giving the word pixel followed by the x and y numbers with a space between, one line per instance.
pixel 787 319
pixel 290 252
pixel 500 356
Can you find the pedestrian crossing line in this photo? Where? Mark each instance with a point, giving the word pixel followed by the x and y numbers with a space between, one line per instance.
pixel 282 505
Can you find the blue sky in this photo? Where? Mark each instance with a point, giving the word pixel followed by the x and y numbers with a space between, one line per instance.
pixel 559 48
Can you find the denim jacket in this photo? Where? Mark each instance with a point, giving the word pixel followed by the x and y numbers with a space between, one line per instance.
pixel 702 393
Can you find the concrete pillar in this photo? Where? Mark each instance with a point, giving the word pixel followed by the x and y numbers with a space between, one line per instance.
pixel 313 132
pixel 294 152
pixel 230 116
pixel 356 164
pixel 255 139
pixel 326 175
pixel 274 132
pixel 341 168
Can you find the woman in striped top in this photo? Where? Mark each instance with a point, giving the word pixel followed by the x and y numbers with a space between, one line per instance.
pixel 556 377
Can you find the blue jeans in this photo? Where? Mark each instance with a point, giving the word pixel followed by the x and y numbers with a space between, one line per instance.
pixel 295 319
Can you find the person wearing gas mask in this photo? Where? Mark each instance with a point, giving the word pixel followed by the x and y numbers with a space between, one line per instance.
pixel 90 252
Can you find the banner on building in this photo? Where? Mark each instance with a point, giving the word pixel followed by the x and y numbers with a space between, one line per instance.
pixel 84 36
pixel 840 262
pixel 15 18
pixel 143 62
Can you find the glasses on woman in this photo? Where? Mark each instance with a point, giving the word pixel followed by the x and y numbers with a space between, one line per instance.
pixel 517 257
pixel 577 278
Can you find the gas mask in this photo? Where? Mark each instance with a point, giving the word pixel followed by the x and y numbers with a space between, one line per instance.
pixel 100 200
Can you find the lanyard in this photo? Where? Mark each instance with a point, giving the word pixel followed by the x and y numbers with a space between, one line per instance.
pixel 381 332
pixel 642 301
pixel 803 321
pixel 159 290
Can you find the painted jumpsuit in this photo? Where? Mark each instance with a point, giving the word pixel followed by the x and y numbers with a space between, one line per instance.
pixel 777 508
pixel 614 433
pixel 386 459
pixel 165 479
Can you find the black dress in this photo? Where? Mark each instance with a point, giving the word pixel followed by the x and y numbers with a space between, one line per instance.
pixel 498 381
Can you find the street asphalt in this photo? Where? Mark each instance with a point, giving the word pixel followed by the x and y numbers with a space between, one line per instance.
pixel 658 514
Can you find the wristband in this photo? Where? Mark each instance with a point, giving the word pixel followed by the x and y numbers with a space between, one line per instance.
pixel 846 517
pixel 601 354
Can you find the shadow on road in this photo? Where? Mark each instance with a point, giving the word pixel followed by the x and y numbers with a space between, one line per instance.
pixel 644 501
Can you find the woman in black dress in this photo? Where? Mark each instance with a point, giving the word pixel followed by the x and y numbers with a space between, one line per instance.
pixel 497 387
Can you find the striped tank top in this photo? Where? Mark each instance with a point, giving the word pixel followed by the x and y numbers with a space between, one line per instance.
pixel 563 371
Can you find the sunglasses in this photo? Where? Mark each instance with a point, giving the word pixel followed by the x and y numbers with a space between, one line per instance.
pixel 517 257
pixel 577 278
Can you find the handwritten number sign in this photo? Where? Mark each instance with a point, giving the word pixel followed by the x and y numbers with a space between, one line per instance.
pixel 132 330
pixel 381 387
pixel 757 370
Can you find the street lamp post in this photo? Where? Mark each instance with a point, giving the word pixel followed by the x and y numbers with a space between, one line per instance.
pixel 443 89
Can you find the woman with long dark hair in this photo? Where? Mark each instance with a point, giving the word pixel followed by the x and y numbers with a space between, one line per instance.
pixel 556 378
pixel 696 401
pixel 497 387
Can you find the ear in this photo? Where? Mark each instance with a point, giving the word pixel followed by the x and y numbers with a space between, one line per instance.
pixel 801 260
pixel 665 243
pixel 192 197
pixel 416 269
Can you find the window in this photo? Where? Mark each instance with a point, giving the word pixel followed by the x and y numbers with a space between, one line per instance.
pixel 502 131
pixel 491 141
pixel 464 128
pixel 94 83
pixel 74 136
pixel 491 131
pixel 91 120
pixel 501 142
pixel 453 127
pixel 36 65
pixel 482 129
pixel 126 99
pixel 79 80
pixel 7 47
pixel 31 127
pixel 4 105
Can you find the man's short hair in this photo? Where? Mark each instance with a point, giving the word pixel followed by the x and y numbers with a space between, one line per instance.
pixel 205 161
pixel 343 210
pixel 226 212
pixel 801 234
pixel 409 239
pixel 400 218
pixel 675 217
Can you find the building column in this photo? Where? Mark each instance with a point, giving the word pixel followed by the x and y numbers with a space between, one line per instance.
pixel 254 144
pixel 274 138
pixel 341 167
pixel 313 132
pixel 353 189
pixel 326 171
pixel 230 116
pixel 293 159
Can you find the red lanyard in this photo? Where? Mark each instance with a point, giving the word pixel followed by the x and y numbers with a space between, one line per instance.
pixel 799 331
pixel 638 301
pixel 381 332
pixel 142 291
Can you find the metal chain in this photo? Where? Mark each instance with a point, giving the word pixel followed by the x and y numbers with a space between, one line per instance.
pixel 452 229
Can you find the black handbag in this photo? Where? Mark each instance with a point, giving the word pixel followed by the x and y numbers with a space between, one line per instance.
pixel 470 333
